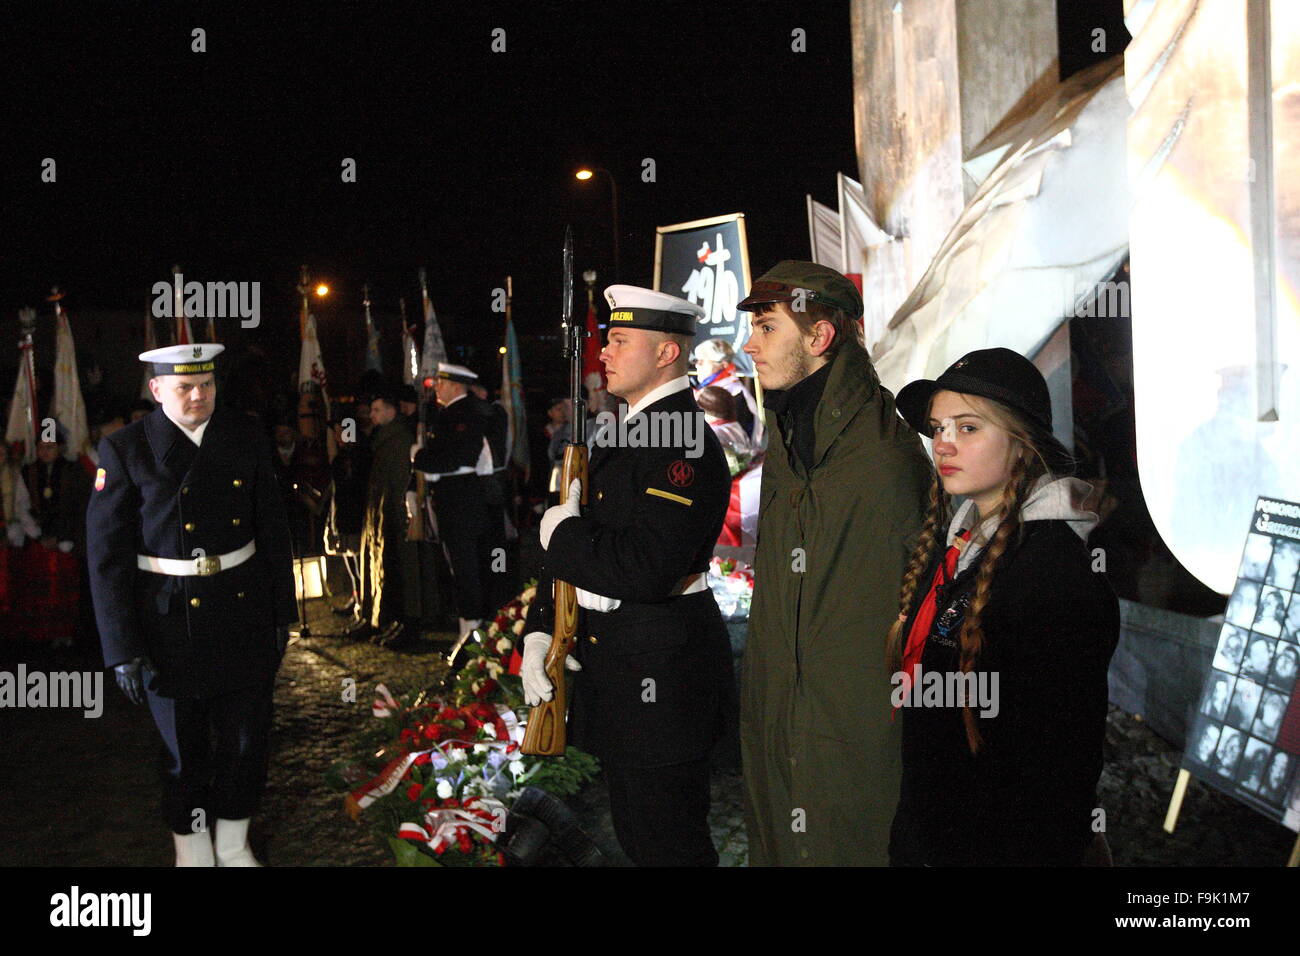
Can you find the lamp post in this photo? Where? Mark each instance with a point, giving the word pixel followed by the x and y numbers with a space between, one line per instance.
pixel 587 173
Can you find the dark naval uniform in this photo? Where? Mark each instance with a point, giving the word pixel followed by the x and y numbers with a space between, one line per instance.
pixel 655 682
pixel 454 451
pixel 211 638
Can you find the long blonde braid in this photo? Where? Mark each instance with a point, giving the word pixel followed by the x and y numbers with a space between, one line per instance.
pixel 972 633
pixel 936 525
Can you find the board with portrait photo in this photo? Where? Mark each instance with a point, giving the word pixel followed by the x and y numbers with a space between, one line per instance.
pixel 1246 737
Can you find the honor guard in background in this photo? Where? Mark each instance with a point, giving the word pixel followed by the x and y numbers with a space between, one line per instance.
pixel 654 661
pixel 457 462
pixel 192 581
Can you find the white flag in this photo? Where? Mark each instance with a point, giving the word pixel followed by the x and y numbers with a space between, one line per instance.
pixel 434 350
pixel 22 413
pixel 68 407
pixel 311 367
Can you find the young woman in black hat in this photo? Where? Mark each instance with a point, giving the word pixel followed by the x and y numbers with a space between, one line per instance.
pixel 1004 591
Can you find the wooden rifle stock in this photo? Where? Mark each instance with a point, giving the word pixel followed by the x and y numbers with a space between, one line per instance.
pixel 544 735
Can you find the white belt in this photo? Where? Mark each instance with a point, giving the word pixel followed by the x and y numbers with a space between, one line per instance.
pixel 691 584
pixel 189 567
pixel 462 470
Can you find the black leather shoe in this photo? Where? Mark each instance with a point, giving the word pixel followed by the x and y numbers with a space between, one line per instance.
pixel 566 834
pixel 403 637
pixel 524 841
pixel 378 637
pixel 358 632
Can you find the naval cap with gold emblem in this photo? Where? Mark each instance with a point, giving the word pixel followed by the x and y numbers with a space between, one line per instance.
pixel 632 307
pixel 193 359
pixel 456 373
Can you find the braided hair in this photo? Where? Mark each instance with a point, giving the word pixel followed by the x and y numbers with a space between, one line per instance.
pixel 1027 466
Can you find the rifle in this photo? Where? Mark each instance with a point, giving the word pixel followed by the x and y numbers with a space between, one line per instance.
pixel 545 733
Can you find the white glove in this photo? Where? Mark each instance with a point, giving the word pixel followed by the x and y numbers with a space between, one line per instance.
pixel 557 513
pixel 537 686
pixel 14 532
pixel 65 546
pixel 412 505
pixel 596 602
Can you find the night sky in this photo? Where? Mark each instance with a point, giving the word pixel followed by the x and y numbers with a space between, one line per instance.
pixel 229 161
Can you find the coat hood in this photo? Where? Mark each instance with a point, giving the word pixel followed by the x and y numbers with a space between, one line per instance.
pixel 1049 500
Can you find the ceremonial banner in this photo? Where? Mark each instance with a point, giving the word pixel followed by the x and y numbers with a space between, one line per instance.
pixel 22 426
pixel 1245 740
pixel 512 397
pixel 311 367
pixel 434 350
pixel 68 407
pixel 707 262
pixel 410 352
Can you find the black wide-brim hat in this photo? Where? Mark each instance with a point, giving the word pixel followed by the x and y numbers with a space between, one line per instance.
pixel 1002 375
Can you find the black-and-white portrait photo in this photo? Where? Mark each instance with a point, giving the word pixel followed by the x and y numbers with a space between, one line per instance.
pixel 1244 703
pixel 1253 764
pixel 1283 570
pixel 1216 701
pixel 1228 753
pixel 1272 706
pixel 1275 776
pixel 1291 627
pixel 1271 612
pixel 1256 556
pixel 1242 604
pixel 1285 665
pixel 1259 658
pixel 1206 737
pixel 1232 646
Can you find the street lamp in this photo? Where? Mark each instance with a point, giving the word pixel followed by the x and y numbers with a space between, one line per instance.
pixel 583 175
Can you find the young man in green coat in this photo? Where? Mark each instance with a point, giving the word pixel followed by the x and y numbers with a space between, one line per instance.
pixel 845 483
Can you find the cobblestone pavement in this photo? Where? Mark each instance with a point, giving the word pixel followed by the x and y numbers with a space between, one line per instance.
pixel 79 792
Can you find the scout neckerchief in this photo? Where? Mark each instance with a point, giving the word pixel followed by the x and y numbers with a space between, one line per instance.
pixel 924 619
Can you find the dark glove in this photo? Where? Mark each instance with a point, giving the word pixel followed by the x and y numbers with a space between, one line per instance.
pixel 131 678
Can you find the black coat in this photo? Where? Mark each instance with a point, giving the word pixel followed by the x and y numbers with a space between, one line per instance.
pixel 159 494
pixel 652 518
pixel 1027 798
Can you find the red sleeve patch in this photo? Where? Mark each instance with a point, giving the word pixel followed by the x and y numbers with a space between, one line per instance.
pixel 681 474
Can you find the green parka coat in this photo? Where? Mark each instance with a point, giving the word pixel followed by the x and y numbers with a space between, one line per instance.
pixel 821 753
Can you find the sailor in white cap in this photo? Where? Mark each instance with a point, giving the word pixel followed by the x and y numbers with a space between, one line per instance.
pixel 458 463
pixel 191 575
pixel 655 678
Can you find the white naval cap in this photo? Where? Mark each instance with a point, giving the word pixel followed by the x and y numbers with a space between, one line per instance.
pixel 183 359
pixel 633 307
pixel 456 373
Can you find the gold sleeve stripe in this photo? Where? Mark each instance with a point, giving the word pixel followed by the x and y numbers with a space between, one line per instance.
pixel 669 495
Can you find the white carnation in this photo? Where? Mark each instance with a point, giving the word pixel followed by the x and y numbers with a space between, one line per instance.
pixel 516 767
pixel 519 627
pixel 445 790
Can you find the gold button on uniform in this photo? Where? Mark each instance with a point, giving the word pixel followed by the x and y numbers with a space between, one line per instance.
pixel 195 602
pixel 235 522
pixel 185 490
pixel 189 526
pixel 237 483
pixel 600 496
pixel 593 640
pixel 240 595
